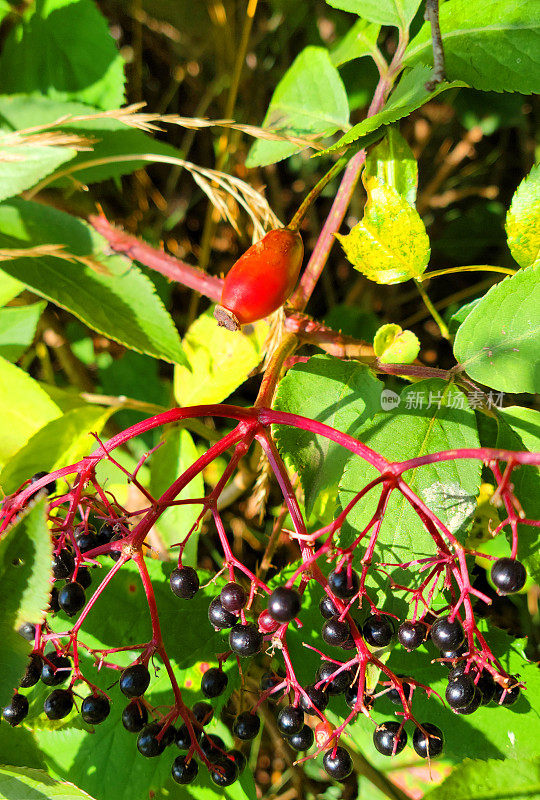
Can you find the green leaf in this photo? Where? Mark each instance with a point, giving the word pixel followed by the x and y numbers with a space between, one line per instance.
pixel 415 427
pixel 459 316
pixel 18 328
pixel 497 344
pixel 219 360
pixel 490 780
pixel 9 288
pixel 64 50
pixel 386 12
pixel 410 94
pixel 176 454
pixel 526 423
pixel 390 243
pixel 359 41
pixel 109 293
pixel 523 220
pixel 310 99
pixel 393 345
pixel 25 567
pixel 22 783
pixel 491 45
pixel 24 408
pixel 393 162
pixel 23 165
pixel 339 393
pixel 63 441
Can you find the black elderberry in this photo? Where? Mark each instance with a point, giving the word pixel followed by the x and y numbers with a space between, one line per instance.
pixel 378 630
pixel 84 577
pixel 327 608
pixel 245 640
pixel 508 575
pixel 351 697
pixel 411 634
pixel 303 739
pixel 134 680
pixel 53 601
pixel 349 643
pixel 246 726
pixel 213 682
pixel 318 699
pixel 337 684
pixel 50 487
pixel 184 582
pixel 393 694
pixel 342 584
pixel 86 541
pixel 337 763
pixel 486 686
pixel 28 631
pixel 16 710
pixel 269 681
pixel 428 745
pixel 183 737
pixel 233 597
pixel 63 564
pixel 452 655
pixel 32 673
pixel 335 631
pixel 460 692
pixel 58 704
pixel 266 622
pixel 169 735
pixel 284 604
pixel 447 635
pixel 203 712
pixel 219 617
pixel 510 697
pixel 134 717
pixel 223 772
pixel 105 534
pixel 212 746
pixel 239 759
pixel 386 738
pixel 57 671
pixel 148 743
pixel 471 707
pixel 290 720
pixel 183 771
pixel 115 554
pixel 457 670
pixel 71 598
pixel 95 709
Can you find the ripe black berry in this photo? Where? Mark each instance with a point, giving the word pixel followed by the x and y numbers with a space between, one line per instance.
pixel 184 582
pixel 184 772
pixel 385 738
pixel 95 709
pixel 453 655
pixel 148 743
pixel 327 608
pixel 71 598
pixel 53 601
pixel 50 488
pixel 239 759
pixel 411 634
pixel 57 671
pixel 290 720
pixel 32 673
pixel 447 635
pixel 86 541
pixel 343 585
pixel 58 704
pixel 335 631
pixel 337 684
pixel 28 631
pixel 106 534
pixel 508 575
pixel 213 682
pixel 459 669
pixel 233 597
pixel 303 739
pixel 378 630
pixel 270 681
pixel 318 697
pixel 212 746
pixel 63 564
pixel 16 710
pixel 509 698
pixel 203 712
pixel 114 553
pixel 84 577
pixel 337 763
pixel 486 686
pixel 134 680
pixel 393 694
pixel 266 622
pixel 460 692
pixel 430 745
pixel 183 737
pixel 471 707
pixel 219 617
pixel 245 640
pixel 351 697
pixel 284 604
pixel 246 726
pixel 134 717
pixel 223 772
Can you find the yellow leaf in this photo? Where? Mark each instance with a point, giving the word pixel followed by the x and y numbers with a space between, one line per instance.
pixel 393 345
pixel 390 244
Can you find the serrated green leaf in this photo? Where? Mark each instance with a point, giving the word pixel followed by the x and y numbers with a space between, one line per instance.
pixel 338 393
pixel 393 162
pixel 523 220
pixel 17 329
pixel 24 408
pixel 491 46
pixel 23 165
pixel 497 344
pixel 390 244
pixel 461 314
pixel 64 50
pixel 23 783
pixel 410 94
pixel 175 455
pixel 219 360
pixel 490 780
pixel 25 567
pixel 109 293
pixel 386 12
pixel 359 41
pixel 393 345
pixel 310 99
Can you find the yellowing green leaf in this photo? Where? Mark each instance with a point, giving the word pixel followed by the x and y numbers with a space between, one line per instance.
pixel 393 162
pixel 220 360
pixel 390 244
pixel 523 220
pixel 393 345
